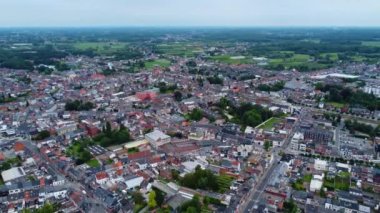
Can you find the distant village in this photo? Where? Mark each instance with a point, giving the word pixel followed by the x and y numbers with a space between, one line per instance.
pixel 168 139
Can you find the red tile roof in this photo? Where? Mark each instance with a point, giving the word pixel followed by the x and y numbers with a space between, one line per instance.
pixel 139 155
pixel 2 157
pixel 18 147
pixel 42 182
pixel 101 175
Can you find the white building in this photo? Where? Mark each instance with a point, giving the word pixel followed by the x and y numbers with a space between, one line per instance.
pixel 375 89
pixel 13 173
pixel 320 165
pixel 101 178
pixel 294 143
pixel 316 183
pixel 157 138
pixel 133 181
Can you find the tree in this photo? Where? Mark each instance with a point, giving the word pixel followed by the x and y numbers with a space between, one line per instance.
pixel 177 96
pixel 138 197
pixel 108 128
pixel 160 197
pixel 251 118
pixel 42 135
pixel 192 206
pixel 195 115
pixel 152 199
pixel 267 145
pixel 290 207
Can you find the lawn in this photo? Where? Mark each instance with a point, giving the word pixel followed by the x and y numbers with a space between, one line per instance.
pixel 157 63
pixel 93 163
pixel 307 178
pixel 269 124
pixel 227 59
pixel 100 47
pixel 340 182
pixel 336 104
pixel 298 185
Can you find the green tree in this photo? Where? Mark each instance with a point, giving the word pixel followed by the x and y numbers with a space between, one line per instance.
pixel 195 115
pixel 177 96
pixel 152 199
pixel 267 145
pixel 290 207
pixel 138 198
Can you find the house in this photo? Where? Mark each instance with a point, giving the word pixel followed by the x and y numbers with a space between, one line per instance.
pixel 101 178
pixel 19 148
pixel 316 183
pixel 157 138
pixel 320 165
pixel 133 181
pixel 110 201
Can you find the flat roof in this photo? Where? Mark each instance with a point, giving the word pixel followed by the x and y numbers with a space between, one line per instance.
pixel 336 75
pixel 12 173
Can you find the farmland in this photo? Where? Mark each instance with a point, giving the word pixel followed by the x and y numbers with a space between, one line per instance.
pixel 100 47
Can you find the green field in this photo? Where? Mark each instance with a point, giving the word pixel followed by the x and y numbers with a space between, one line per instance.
pixel 371 43
pixel 332 56
pixel 340 182
pixel 180 49
pixel 358 58
pixel 93 163
pixel 227 59
pixel 296 59
pixel 269 124
pixel 157 63
pixel 336 104
pixel 100 47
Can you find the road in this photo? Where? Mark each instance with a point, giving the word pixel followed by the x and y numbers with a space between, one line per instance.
pixel 346 116
pixel 255 193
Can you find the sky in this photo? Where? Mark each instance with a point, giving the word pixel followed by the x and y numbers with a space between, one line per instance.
pixel 78 13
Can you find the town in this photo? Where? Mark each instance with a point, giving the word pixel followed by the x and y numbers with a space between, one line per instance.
pixel 187 129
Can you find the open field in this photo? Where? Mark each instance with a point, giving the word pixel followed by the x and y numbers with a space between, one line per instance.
pixel 93 163
pixel 100 47
pixel 232 59
pixel 157 63
pixel 336 104
pixel 269 124
pixel 295 60
pixel 331 56
pixel 180 49
pixel 371 43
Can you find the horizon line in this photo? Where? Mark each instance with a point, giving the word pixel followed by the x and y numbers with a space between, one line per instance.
pixel 193 26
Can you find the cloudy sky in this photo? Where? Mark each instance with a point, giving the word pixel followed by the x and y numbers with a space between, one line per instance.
pixel 189 13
